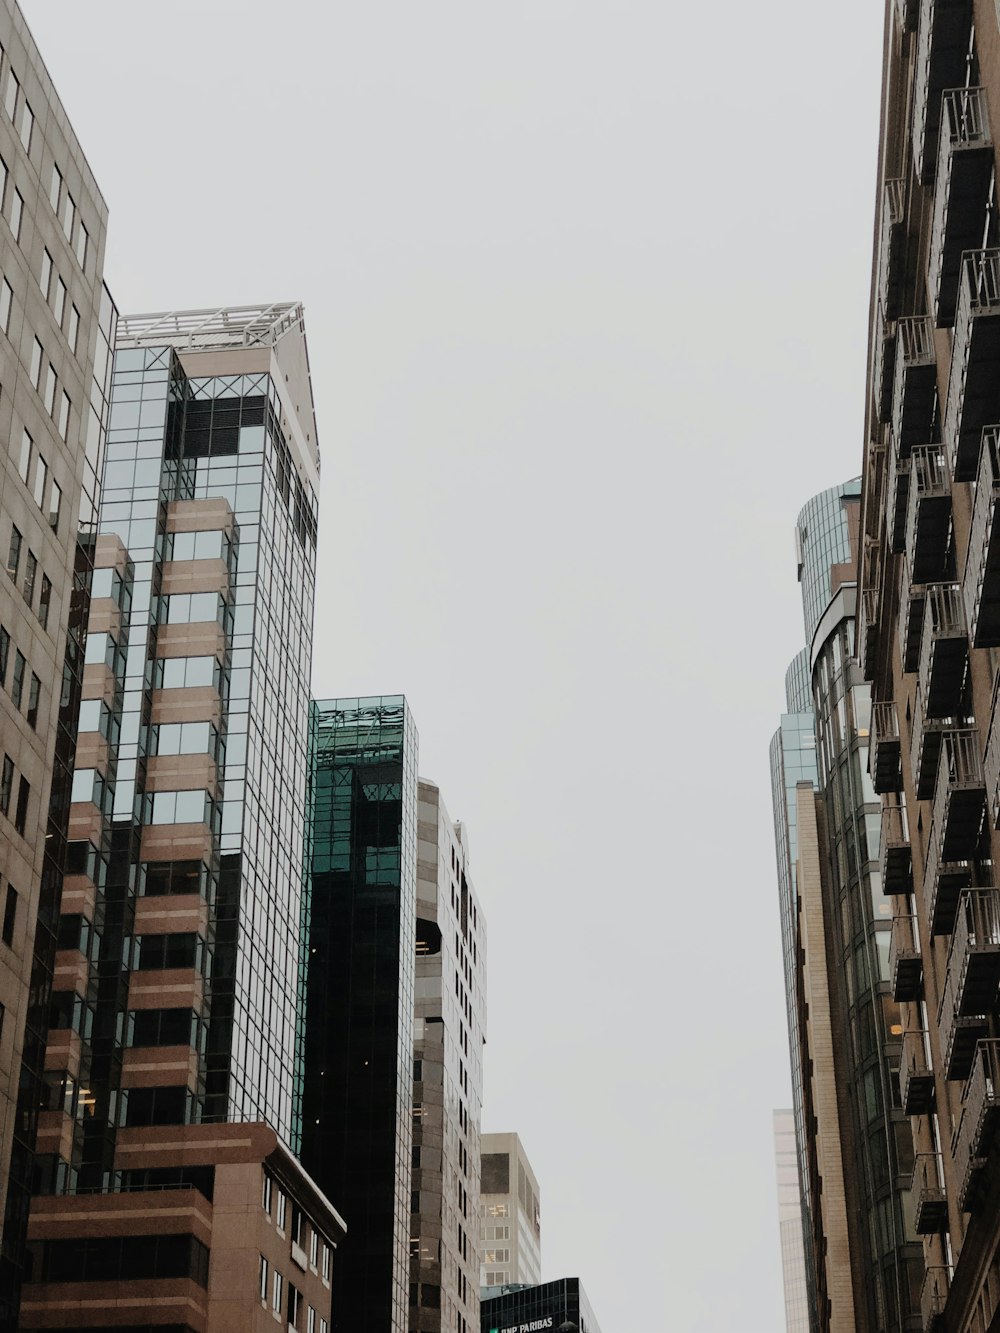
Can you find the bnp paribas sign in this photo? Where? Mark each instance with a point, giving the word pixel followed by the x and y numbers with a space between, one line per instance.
pixel 533 1326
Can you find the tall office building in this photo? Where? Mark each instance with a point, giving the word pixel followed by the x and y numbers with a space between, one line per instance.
pixel 853 1143
pixel 56 320
pixel 358 1041
pixel 793 1258
pixel 511 1215
pixel 169 1195
pixel 929 626
pixel 561 1306
pixel 448 1035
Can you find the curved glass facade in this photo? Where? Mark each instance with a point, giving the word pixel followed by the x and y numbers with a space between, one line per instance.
pixel 822 540
pixel 798 684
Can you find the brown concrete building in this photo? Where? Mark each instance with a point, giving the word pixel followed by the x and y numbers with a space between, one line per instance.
pixel 929 630
pixel 56 323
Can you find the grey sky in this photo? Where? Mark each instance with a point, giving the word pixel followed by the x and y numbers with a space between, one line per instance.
pixel 587 292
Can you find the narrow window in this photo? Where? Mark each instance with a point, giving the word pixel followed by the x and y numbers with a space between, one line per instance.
pixel 24 462
pixel 6 304
pixel 82 241
pixel 27 125
pixel 23 797
pixel 263 1280
pixel 41 480
pixel 55 505
pixel 2 1012
pixel 37 353
pixel 16 214
pixel 4 173
pixel 44 602
pixel 326 1262
pixel 282 1208
pixel 9 915
pixel 10 93
pixel 34 690
pixel 64 411
pixel 74 328
pixel 51 384
pixel 4 654
pixel 55 187
pixel 45 277
pixel 30 575
pixel 17 684
pixel 6 783
pixel 265 1198
pixel 14 554
pixel 69 216
pixel 310 1320
pixel 276 1293
pixel 59 305
pixel 313 1247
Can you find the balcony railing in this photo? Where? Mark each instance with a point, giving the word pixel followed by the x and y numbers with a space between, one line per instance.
pixel 959 1025
pixel 964 166
pixel 916 1076
pixel 904 959
pixel 891 249
pixel 960 797
pixel 975 946
pixel 991 760
pixel 868 631
pixel 896 504
pixel 925 747
pixel 982 567
pixel 928 515
pixel 944 651
pixel 943 28
pixel 912 598
pixel 914 383
pixel 930 1205
pixel 933 1298
pixel 973 384
pixel 885 748
pixel 895 856
pixel 976 1129
pixel 943 882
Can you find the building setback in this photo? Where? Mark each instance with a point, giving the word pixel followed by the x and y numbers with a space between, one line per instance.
pixel 169 1195
pixel 358 1041
pixel 56 323
pixel 511 1217
pixel 561 1307
pixel 929 626
pixel 448 1035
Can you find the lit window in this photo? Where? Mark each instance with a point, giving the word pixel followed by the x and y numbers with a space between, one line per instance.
pixel 16 213
pixel 26 126
pixel 10 93
pixel 37 352
pixel 45 278
pixel 59 305
pixel 55 187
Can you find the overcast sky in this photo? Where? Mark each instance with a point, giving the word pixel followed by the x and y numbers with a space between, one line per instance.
pixel 586 289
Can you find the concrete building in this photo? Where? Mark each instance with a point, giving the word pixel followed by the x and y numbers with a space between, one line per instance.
pixel 793 1258
pixel 169 1196
pixel 511 1234
pixel 449 1031
pixel 358 1049
pixel 929 628
pixel 56 321
pixel 853 1145
pixel 560 1306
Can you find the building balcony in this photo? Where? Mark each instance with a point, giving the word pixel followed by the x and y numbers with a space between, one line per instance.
pixel 960 798
pixel 960 1024
pixel 944 651
pixel 904 959
pixel 925 747
pixel 943 30
pixel 914 383
pixel 885 748
pixel 895 856
pixel 982 567
pixel 928 515
pixel 892 248
pixel 897 504
pixel 916 1077
pixel 977 1125
pixel 933 1298
pixel 912 599
pixel 884 364
pixel 868 631
pixel 943 883
pixel 930 1206
pixel 964 166
pixel 973 384
pixel 991 760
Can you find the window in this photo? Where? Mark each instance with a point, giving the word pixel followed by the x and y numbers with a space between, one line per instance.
pixel 51 383
pixel 34 690
pixel 6 303
pixel 59 305
pixel 64 410
pixel 10 93
pixel 9 915
pixel 310 1318
pixel 74 328
pixel 16 214
pixel 41 478
pixel 313 1247
pixel 2 1012
pixel 24 461
pixel 263 1280
pixel 26 126
pixel 44 602
pixel 282 1209
pixel 276 1292
pixel 265 1198
pixel 55 505
pixel 295 1304
pixel 30 575
pixel 326 1262
pixel 4 654
pixel 37 353
pixel 4 173
pixel 23 797
pixel 14 555
pixel 82 240
pixel 414 1201
pixel 69 216
pixel 6 783
pixel 296 1225
pixel 17 684
pixel 55 187
pixel 324 1327
pixel 45 278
